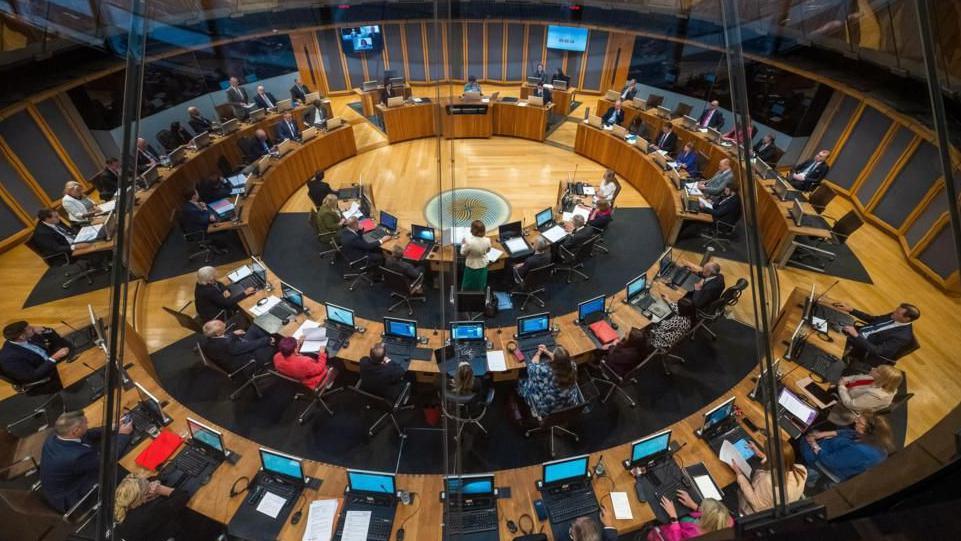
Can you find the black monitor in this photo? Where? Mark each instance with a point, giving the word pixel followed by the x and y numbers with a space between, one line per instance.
pixel 389 221
pixel 206 436
pixel 152 405
pixel 665 262
pixel 361 39
pixel 422 233
pixel 543 217
pixel 339 314
pixel 533 324
pixel 471 301
pixel 283 465
pixel 636 286
pixel 653 100
pixel 510 230
pixel 589 307
pixel 400 328
pixel 650 449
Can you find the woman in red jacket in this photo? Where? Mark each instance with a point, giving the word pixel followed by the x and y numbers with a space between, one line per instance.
pixel 290 362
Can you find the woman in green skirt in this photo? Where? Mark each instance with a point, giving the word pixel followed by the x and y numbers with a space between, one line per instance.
pixel 474 248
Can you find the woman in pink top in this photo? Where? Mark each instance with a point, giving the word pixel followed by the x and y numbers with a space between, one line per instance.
pixel 710 516
pixel 290 362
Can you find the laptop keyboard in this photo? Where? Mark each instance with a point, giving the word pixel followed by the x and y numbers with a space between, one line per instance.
pixel 466 522
pixel 681 275
pixel 527 344
pixel 397 348
pixel 643 302
pixel 283 490
pixel 570 505
pixel 282 311
pixel 190 462
pixel 249 281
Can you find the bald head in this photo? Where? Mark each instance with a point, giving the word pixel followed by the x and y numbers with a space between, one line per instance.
pixel 214 328
pixel 711 269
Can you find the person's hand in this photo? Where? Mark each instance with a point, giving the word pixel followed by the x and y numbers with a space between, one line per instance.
pixel 240 332
pixel 249 291
pixel 734 467
pixel 753 446
pixel 226 294
pixel 668 506
pixel 60 354
pixel 698 285
pixel 213 218
pixel 300 341
pixel 607 519
pixel 844 307
pixel 541 348
pixel 638 471
pixel 849 330
pixel 386 359
pixel 568 227
pixel 686 500
pixel 126 426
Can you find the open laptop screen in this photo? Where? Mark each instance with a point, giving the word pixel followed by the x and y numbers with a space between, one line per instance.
pixel 281 464
pixel 401 328
pixel 796 407
pixel 650 447
pixel 205 435
pixel 565 470
pixel 469 485
pixel 534 324
pixel 636 286
pixel 388 220
pixel 339 314
pixel 368 481
pixel 589 307
pixel 467 330
pixel 543 217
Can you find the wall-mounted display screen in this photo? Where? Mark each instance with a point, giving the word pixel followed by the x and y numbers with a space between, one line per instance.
pixel 361 39
pixel 568 38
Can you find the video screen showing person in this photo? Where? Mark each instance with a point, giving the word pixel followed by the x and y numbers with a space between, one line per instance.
pixel 361 39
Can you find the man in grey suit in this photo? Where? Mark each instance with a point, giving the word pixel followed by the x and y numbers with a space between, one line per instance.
pixel 237 97
pixel 715 185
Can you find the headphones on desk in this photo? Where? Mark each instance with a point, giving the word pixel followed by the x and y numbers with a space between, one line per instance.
pixel 234 491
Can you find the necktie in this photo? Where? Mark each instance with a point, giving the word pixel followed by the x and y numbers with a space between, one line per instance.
pixel 291 128
pixel 868 330
pixel 267 100
pixel 810 168
pixel 707 119
pixel 63 231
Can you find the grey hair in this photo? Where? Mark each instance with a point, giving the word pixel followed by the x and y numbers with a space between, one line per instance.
pixel 541 244
pixel 206 275
pixel 67 421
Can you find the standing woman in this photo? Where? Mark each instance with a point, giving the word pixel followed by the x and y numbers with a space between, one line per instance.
pixel 608 188
pixel 474 248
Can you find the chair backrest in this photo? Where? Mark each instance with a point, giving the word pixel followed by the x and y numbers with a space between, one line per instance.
pixel 536 278
pixel 733 293
pixel 821 196
pixel 458 407
pixel 28 502
pixel 585 250
pixel 208 363
pixel 564 416
pixel 185 321
pixel 167 139
pixel 848 224
pixel 330 379
pixel 396 282
pixel 375 400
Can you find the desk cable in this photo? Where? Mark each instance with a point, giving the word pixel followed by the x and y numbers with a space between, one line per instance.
pixel 415 496
pixel 233 489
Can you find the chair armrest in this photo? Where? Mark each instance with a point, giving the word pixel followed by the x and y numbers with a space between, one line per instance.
pixel 92 493
pixel 196 235
pixel 242 368
pixel 358 261
pixel 402 396
pixel 28 458
pixel 490 397
pixel 417 282
pixel 32 384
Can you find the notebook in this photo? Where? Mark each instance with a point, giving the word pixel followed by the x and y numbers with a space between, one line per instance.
pixel 414 251
pixel 603 331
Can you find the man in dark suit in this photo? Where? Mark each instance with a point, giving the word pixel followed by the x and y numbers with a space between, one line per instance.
pixel 195 216
pixel 711 117
pixel 299 91
pixel 287 128
pixel 354 247
pixel 70 461
pixel 214 299
pixel 264 99
pixel 725 207
pixel 579 233
pixel 198 122
pixel 765 150
pixel 213 188
pixel 317 189
pixel 147 155
pixel 29 354
pixel 667 140
pixel 379 375
pixel 629 90
pixel 880 339
pixel 260 145
pixel 542 92
pixel 231 351
pixel 51 237
pixel 237 97
pixel 807 175
pixel 614 114
pixel 709 288
pixel 108 180
pixel 541 257
pixel 540 73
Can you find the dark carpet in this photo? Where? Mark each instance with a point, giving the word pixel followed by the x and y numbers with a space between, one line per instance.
pixel 846 265
pixel 712 369
pixel 48 288
pixel 17 407
pixel 171 259
pixel 634 239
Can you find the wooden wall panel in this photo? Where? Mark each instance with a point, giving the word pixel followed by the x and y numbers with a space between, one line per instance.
pixel 939 255
pixel 330 54
pixel 515 52
pixel 495 51
pixel 909 186
pixel 415 52
pixel 536 36
pixel 435 52
pixel 596 48
pixel 455 51
pixel 858 148
pixel 394 47
pixel 475 50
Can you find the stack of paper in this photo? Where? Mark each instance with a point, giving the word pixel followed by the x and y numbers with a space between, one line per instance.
pixel 515 244
pixel 581 210
pixel 494 254
pixel 320 520
pixel 87 233
pixel 315 339
pixel 239 274
pixel 356 525
pixel 622 507
pixel 456 234
pixel 496 361
pixel 237 181
pixel 271 504
pixel 555 233
pixel 307 324
pixel 705 203
pixel 353 211
pixel 707 487
pixel 588 190
pixel 692 189
pixel 261 309
pixel 107 206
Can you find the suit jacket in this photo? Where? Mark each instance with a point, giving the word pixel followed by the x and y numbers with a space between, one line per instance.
pixel 68 469
pixel 261 102
pixel 544 93
pixel 386 379
pixel 718 182
pixel 666 142
pixel 194 219
pixel 727 209
pixel 237 96
pixel 689 161
pixel 299 93
pixel 317 190
pixel 543 76
pixel 210 300
pixel 291 131
pixel 200 124
pixel 258 148
pixel 22 365
pixel 310 117
pixel 889 343
pixel 48 242
pixel 812 179
pixel 628 95
pixel 534 261
pixel 765 153
pixel 354 246
pixel 613 116
pixel 709 292
pixel 149 154
pixel 213 191
pixel 717 119
pixel 573 241
pixel 106 183
pixel 231 352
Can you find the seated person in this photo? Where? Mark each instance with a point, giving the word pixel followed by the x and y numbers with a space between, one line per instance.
pixel 147 510
pixel 213 188
pixel 756 494
pixel 195 216
pixel 287 128
pixel 231 351
pixel 807 175
pixel 624 355
pixel 260 145
pixel 396 262
pixel 388 91
pixel 540 258
pixel 354 247
pixel 197 121
pixel 608 187
pixel 70 460
pixel 578 233
pixel 715 185
pixel 289 361
pixel 316 116
pixel 709 516
pixel 78 206
pixel 687 160
pixel 178 134
pixel 30 354
pixel 317 189
pixel 674 327
pixel 865 394
pixel 264 99
pixel 734 136
pixel 108 179
pixel 711 117
pixel 542 92
pixel 883 337
pixel 725 207
pixel 765 150
pixel 298 92
pixel 709 288
pixel 629 90
pixel 147 156
pixel 213 299
pixel 379 375
pixel 551 384
pixel 667 140
pixel 637 127
pixel 51 236
pixel 472 85
pixel 329 218
pixel 540 73
pixel 560 76
pixel 614 114
pixel 587 529
pixel 601 216
pixel 846 452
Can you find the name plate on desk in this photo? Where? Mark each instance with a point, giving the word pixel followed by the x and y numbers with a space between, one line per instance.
pixel 467 109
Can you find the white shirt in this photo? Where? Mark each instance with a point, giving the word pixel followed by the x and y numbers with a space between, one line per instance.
pixel 879 327
pixel 60 231
pixel 474 249
pixel 606 190
pixel 76 208
pixel 267 100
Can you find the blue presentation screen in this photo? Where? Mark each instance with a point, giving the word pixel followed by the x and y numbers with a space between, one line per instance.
pixel 568 38
pixel 575 468
pixel 533 324
pixel 467 331
pixel 371 482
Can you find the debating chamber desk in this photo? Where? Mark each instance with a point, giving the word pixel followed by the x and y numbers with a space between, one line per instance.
pixel 417 119
pixel 561 98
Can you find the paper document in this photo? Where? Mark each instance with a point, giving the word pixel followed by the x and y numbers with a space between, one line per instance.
pixel 87 233
pixel 672 164
pixel 588 190
pixel 706 203
pixel 494 254
pixel 315 339
pixel 515 244
pixel 107 206
pixel 485 100
pixel 820 324
pixel 304 327
pixel 707 487
pixel 622 507
pixel 271 504
pixel 581 210
pixel 353 211
pixel 237 181
pixel 496 361
pixel 458 234
pixel 240 273
pixel 417 100
pixel 566 216
pixel 555 233
pixel 729 452
pixel 692 189
pixel 356 525
pixel 261 309
pixel 522 104
pixel 320 520
pixel 662 152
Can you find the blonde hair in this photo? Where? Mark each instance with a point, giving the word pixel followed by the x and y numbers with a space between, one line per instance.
pixel 330 201
pixel 463 380
pixel 585 529
pixel 131 493
pixel 888 378
pixel 714 516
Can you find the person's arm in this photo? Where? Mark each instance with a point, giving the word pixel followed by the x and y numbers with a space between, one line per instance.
pixel 241 346
pixel 747 490
pixel 310 368
pixel 888 346
pixel 218 299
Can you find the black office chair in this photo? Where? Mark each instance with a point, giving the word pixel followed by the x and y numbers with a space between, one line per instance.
pixel 821 197
pixel 191 323
pixel 247 373
pixel 557 422
pixel 665 354
pixel 326 240
pixel 316 395
pixel 37 418
pixel 716 310
pixel 356 270
pixel 814 254
pixel 533 283
pixel 464 410
pixel 390 408
pixel 198 245
pixel 682 109
pixel 167 140
pixel 27 500
pixel 573 262
pixel 82 268
pixel 720 235
pixel 599 244
pixel 613 381
pixel 403 288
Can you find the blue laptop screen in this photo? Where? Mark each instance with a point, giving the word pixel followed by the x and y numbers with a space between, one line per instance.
pixel 652 446
pixel 575 468
pixel 636 286
pixel 587 308
pixel 370 482
pixel 532 324
pixel 292 296
pixel 425 234
pixel 340 315
pixel 281 464
pixel 543 217
pixel 388 221
pixel 467 331
pixel 205 435
pixel 400 328
pixel 480 485
pixel 719 414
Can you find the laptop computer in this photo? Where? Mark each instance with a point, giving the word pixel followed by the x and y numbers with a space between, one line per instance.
pixel 387 226
pixel 374 492
pixel 469 341
pixel 201 140
pixel 786 192
pixel 721 424
pixel 422 240
pixel 548 228
pixel 470 508
pixel 535 100
pixel 794 415
pixel 591 310
pixel 177 156
pixel 257 115
pixel 566 489
pixel 283 105
pixel 803 219
pixel 148 178
pixel 271 496
pixel 662 477
pixel 340 324
pixel 638 295
pixel 202 453
pixel 253 275
pixel 230 126
pixel 400 339
pixel 511 237
pixel 533 331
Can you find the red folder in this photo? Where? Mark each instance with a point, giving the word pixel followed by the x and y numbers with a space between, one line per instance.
pixel 160 450
pixel 414 252
pixel 367 225
pixel 603 331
